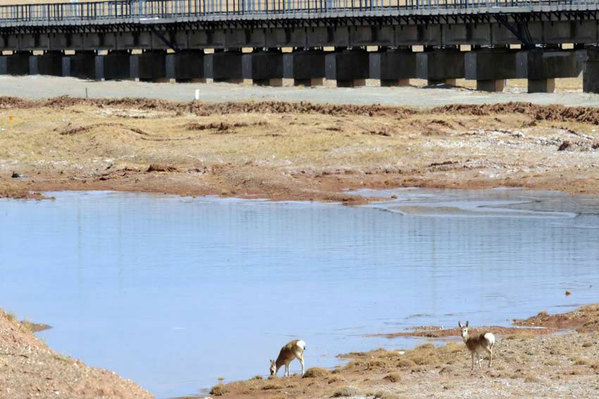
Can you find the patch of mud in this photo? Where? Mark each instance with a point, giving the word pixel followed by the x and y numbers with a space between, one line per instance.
pixel 583 319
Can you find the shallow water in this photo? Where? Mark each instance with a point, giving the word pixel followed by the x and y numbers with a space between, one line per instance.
pixel 175 292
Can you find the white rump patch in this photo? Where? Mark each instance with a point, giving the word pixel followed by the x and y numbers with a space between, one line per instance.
pixel 490 338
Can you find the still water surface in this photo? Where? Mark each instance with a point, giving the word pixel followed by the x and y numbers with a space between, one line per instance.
pixel 175 292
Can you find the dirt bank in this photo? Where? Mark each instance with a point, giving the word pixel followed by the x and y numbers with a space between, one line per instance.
pixel 297 151
pixel 527 363
pixel 29 369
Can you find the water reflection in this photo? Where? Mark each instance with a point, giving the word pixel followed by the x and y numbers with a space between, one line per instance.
pixel 174 292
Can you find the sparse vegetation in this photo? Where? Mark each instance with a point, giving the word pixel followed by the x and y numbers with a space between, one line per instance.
pixel 292 151
pixel 346 392
pixel 313 372
pixel 218 390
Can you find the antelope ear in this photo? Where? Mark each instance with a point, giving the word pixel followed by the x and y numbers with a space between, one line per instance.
pixel 460 324
pixel 466 323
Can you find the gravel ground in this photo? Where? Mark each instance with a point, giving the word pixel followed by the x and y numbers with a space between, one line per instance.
pixel 568 93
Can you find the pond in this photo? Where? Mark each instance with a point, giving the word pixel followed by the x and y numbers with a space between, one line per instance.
pixel 175 292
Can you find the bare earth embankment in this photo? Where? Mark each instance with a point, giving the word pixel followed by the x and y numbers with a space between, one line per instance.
pixel 29 369
pixel 528 362
pixel 294 151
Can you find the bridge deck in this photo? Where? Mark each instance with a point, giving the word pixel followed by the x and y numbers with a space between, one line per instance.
pixel 172 11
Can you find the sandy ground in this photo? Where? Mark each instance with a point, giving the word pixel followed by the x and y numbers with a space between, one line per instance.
pixel 298 151
pixel 29 369
pixel 526 363
pixel 569 92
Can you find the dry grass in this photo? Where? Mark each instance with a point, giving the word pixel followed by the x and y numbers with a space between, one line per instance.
pixel 314 372
pixel 287 151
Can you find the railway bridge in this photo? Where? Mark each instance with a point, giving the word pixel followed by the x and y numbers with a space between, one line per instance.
pixel 307 40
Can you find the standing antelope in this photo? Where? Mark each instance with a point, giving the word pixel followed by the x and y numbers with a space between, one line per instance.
pixel 293 350
pixel 481 343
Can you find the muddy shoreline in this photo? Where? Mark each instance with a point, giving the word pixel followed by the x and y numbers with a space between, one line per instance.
pixel 290 151
pixel 558 357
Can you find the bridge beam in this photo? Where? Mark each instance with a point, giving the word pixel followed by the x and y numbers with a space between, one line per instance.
pixel 541 67
pixel 348 67
pixel 490 67
pixel 227 66
pixel 264 67
pixel 305 67
pixel 83 65
pixel 120 65
pixel 393 67
pixel 440 66
pixel 15 64
pixel 152 65
pixel 49 63
pixel 185 66
pixel 590 77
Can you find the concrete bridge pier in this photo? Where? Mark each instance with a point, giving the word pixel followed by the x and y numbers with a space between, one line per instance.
pixel 348 67
pixel 186 66
pixel 490 67
pixel 227 66
pixel 120 65
pixel 15 64
pixel 83 65
pixel 440 66
pixel 152 66
pixel 264 67
pixel 49 63
pixel 590 76
pixel 305 67
pixel 393 67
pixel 541 67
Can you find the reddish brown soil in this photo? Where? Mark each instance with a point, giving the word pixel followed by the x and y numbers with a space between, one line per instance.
pixel 583 319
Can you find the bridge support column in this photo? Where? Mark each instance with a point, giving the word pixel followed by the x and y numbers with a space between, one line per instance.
pixel 490 68
pixel 83 65
pixel 393 68
pixel 15 64
pixel 264 67
pixel 227 66
pixel 305 67
pixel 49 63
pixel 152 65
pixel 590 76
pixel 120 65
pixel 185 66
pixel 440 66
pixel 348 67
pixel 541 67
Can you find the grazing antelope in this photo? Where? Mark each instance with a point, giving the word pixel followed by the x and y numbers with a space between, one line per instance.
pixel 481 343
pixel 293 350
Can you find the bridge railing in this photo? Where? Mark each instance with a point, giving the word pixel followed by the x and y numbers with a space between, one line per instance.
pixel 158 9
